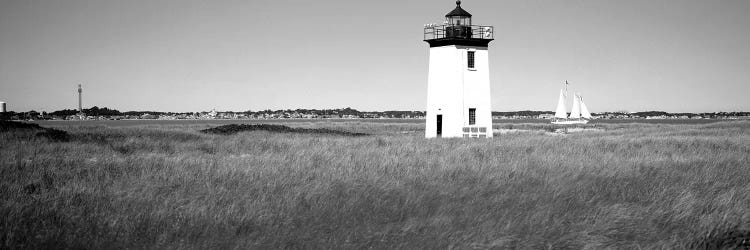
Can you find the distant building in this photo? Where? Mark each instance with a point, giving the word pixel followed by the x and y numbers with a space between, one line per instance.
pixel 546 116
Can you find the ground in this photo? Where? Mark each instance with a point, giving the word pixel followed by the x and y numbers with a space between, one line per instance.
pixel 532 186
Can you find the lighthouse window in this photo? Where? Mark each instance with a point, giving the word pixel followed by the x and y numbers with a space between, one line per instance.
pixel 470 57
pixel 472 117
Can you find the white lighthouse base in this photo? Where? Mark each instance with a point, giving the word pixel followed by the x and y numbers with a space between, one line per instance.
pixel 454 89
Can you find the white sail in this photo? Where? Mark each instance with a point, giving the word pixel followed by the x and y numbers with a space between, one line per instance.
pixel 560 112
pixel 575 113
pixel 584 111
pixel 579 110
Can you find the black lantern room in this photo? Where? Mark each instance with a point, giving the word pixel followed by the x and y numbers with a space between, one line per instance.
pixel 458 30
pixel 458 16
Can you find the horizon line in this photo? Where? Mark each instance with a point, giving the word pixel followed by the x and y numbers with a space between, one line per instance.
pixel 393 110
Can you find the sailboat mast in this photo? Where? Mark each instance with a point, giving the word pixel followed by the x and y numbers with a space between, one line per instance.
pixel 578 99
pixel 566 96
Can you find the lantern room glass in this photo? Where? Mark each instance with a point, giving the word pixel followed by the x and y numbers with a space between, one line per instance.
pixel 459 21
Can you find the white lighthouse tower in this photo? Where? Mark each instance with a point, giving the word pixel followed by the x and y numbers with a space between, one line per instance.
pixel 458 84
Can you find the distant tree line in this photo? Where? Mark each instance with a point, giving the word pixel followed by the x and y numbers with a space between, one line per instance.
pixel 342 112
pixel 348 112
pixel 709 115
pixel 643 114
pixel 281 113
pixel 93 111
pixel 527 113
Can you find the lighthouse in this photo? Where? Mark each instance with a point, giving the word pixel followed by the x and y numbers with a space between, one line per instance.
pixel 458 82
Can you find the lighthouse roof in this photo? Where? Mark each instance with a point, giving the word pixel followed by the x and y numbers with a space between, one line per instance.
pixel 458 11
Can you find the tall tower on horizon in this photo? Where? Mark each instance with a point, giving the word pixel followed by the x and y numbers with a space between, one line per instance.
pixel 458 83
pixel 80 100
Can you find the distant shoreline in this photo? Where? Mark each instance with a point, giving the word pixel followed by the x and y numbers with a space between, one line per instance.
pixel 138 122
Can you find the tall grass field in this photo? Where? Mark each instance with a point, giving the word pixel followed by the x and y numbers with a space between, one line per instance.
pixel 532 186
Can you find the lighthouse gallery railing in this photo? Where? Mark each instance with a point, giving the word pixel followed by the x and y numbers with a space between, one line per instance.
pixel 458 31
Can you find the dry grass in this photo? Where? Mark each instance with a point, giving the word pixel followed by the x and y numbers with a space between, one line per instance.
pixel 628 186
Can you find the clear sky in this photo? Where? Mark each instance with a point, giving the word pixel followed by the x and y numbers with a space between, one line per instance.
pixel 190 55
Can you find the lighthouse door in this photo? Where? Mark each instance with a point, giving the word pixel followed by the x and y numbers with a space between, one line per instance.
pixel 439 125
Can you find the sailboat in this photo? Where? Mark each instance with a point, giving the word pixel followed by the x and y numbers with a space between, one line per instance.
pixel 578 115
